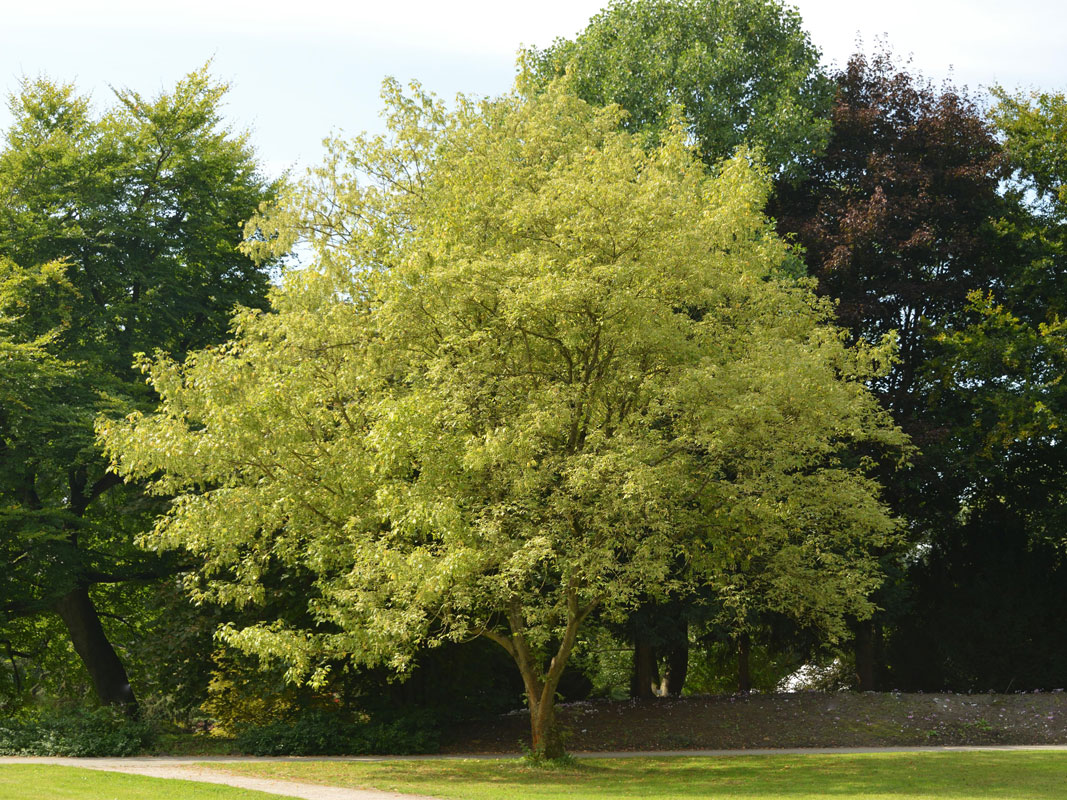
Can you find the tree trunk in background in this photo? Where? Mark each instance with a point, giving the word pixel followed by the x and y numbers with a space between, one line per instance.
pixel 677 662
pixel 91 643
pixel 644 674
pixel 864 645
pixel 744 675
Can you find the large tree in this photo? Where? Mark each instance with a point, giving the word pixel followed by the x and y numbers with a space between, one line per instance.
pixel 741 71
pixel 896 220
pixel 895 217
pixel 990 587
pixel 537 372
pixel 118 234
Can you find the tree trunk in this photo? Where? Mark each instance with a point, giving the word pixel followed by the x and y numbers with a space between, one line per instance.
pixel 15 674
pixel 545 734
pixel 865 636
pixel 90 642
pixel 644 674
pixel 744 674
pixel 677 662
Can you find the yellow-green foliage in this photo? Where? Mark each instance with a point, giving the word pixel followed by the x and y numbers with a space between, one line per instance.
pixel 535 370
pixel 239 694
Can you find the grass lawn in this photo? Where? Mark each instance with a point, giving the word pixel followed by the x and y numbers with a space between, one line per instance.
pixel 47 782
pixel 893 776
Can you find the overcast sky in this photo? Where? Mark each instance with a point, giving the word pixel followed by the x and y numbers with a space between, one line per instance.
pixel 304 68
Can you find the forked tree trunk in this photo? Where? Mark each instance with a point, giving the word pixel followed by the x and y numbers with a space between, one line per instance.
pixel 546 737
pixel 109 677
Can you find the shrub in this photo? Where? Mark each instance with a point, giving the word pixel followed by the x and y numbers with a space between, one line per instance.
pixel 322 733
pixel 97 732
pixel 242 693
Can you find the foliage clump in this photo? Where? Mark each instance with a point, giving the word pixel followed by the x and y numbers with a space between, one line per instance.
pixel 739 73
pixel 74 732
pixel 323 733
pixel 119 233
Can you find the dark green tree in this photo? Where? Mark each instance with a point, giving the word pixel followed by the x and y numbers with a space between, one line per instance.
pixel 989 590
pixel 118 234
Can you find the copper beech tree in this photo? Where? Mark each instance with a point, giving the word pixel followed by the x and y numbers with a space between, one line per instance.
pixel 533 369
pixel 896 222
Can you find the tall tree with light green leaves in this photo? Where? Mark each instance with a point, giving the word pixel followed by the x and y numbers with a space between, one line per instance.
pixel 534 369
pixel 740 73
pixel 118 234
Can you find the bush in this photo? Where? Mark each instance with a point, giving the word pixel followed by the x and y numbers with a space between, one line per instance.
pixel 244 693
pixel 97 732
pixel 319 733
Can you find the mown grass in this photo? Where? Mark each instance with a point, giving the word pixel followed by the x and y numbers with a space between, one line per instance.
pixel 885 776
pixel 48 782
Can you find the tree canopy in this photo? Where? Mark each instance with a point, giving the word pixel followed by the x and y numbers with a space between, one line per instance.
pixel 534 369
pixel 118 234
pixel 741 71
pixel 892 216
pixel 922 217
pixel 988 591
pixel 685 352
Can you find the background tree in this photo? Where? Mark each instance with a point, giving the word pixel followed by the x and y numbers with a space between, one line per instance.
pixel 988 591
pixel 742 72
pixel 896 219
pixel 536 367
pixel 118 234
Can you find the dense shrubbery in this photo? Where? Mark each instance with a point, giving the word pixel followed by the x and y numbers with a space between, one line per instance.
pixel 99 732
pixel 323 733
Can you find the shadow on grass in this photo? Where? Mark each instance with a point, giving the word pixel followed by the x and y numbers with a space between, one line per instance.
pixel 948 776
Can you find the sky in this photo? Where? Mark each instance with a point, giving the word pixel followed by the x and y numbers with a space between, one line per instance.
pixel 303 69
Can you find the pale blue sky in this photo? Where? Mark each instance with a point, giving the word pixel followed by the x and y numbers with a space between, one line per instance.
pixel 302 69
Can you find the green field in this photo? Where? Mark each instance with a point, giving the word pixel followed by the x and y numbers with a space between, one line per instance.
pixel 884 776
pixel 46 782
pixel 893 776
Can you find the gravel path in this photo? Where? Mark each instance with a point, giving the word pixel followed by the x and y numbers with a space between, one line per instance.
pixel 188 770
pixel 193 769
